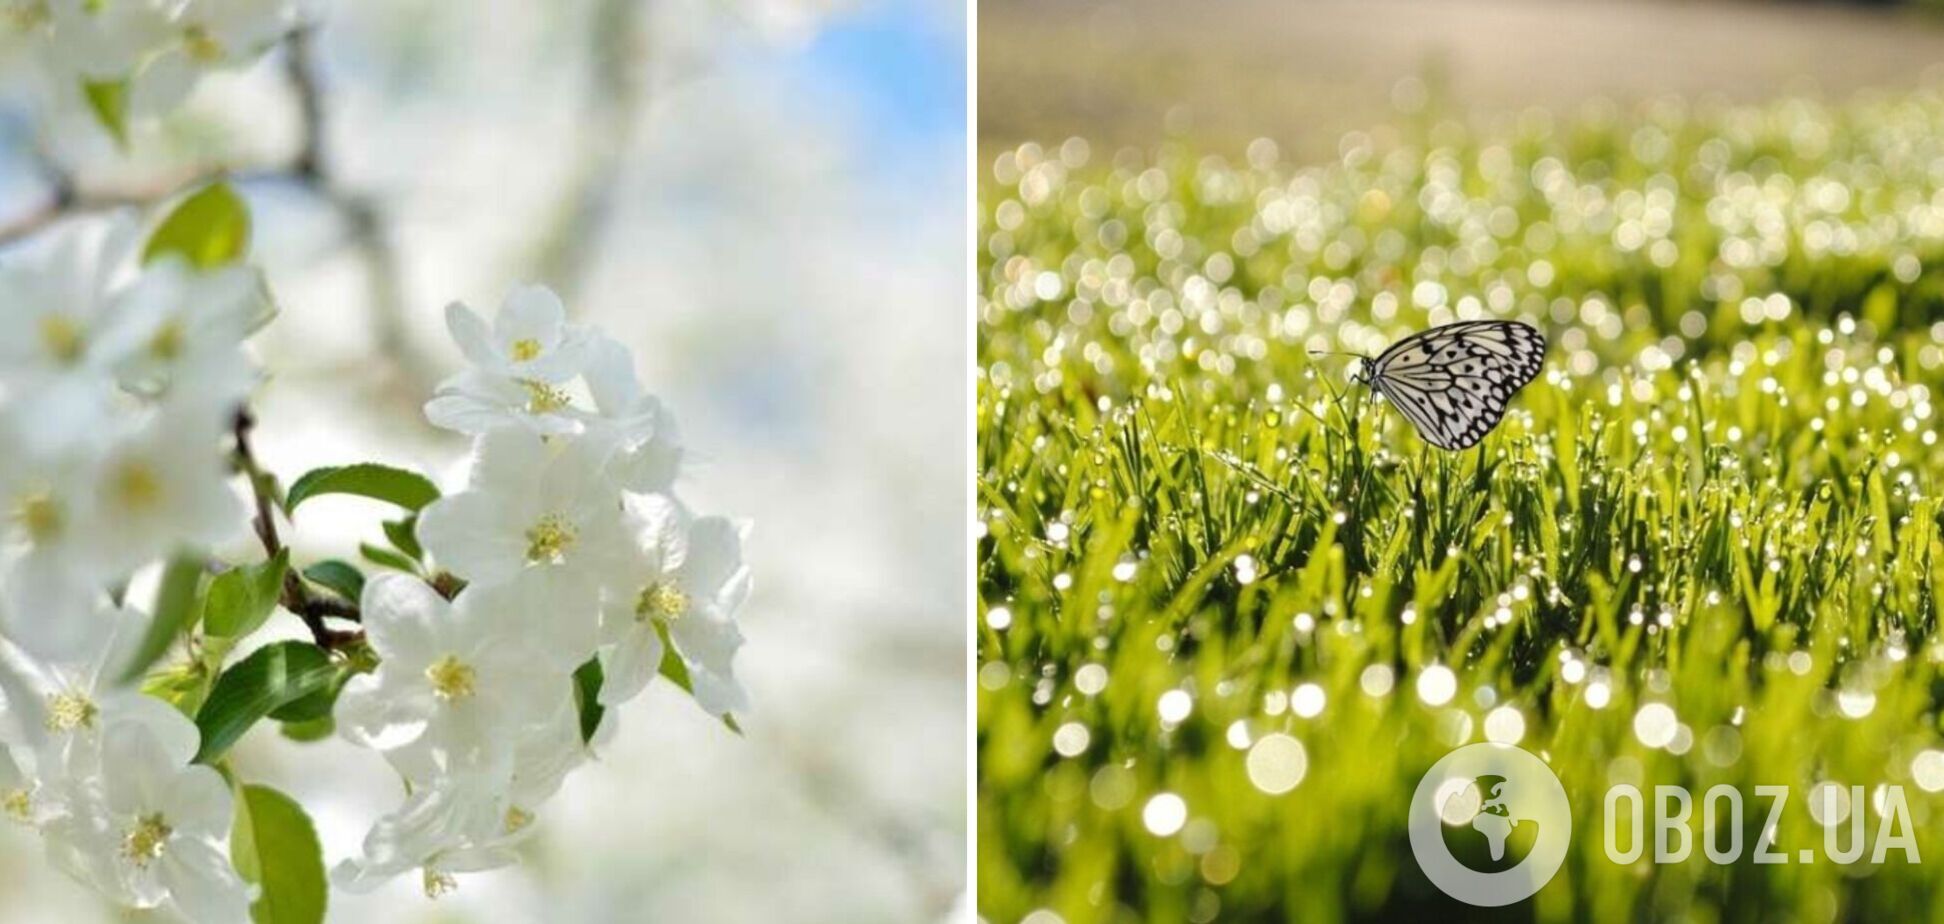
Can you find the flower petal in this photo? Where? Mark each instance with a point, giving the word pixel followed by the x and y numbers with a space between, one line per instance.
pixel 471 535
pixel 629 665
pixel 202 885
pixel 474 338
pixel 381 713
pixel 404 617
pixel 714 556
pixel 530 313
pixel 199 803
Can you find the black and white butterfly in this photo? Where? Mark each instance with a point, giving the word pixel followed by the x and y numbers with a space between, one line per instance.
pixel 1453 381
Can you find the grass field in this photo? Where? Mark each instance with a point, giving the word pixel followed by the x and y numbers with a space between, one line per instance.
pixel 1701 549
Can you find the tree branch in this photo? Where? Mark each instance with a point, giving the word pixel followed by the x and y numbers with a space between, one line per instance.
pixel 296 597
pixel 308 169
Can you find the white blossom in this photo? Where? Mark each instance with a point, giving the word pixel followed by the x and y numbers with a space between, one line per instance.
pixel 206 35
pixel 83 703
pixel 194 322
pixel 64 327
pixel 163 482
pixel 460 682
pixel 469 821
pixel 537 509
pixel 522 367
pixel 147 830
pixel 646 445
pixel 687 581
pixel 155 50
pixel 50 569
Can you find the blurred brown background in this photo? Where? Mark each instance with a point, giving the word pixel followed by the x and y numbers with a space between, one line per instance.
pixel 1132 72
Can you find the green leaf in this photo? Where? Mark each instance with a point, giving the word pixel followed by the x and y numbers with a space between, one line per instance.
pixel 587 697
pixel 108 99
pixel 677 673
pixel 404 537
pixel 274 845
pixel 407 489
pixel 210 228
pixel 175 612
pixel 387 558
pixel 183 686
pixel 269 679
pixel 341 578
pixel 310 730
pixel 240 599
pixel 314 706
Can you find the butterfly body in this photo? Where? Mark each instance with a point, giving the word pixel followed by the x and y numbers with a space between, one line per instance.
pixel 1453 382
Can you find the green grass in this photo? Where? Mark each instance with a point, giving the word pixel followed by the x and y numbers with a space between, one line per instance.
pixel 1719 496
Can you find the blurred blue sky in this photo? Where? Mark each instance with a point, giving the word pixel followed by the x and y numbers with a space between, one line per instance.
pixel 900 64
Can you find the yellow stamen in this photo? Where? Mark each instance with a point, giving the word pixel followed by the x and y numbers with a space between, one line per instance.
pixel 525 350
pixel 168 339
pixel 661 600
pixel 61 337
pixel 18 805
pixel 549 539
pixel 40 515
pixel 438 884
pixel 69 711
pixel 145 842
pixel 201 45
pixel 543 398
pixel 135 485
pixel 517 819
pixel 452 679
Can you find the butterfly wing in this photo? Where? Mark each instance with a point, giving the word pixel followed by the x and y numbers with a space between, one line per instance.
pixel 1453 382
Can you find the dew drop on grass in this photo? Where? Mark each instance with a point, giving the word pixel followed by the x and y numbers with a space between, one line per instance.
pixel 1245 569
pixel 1856 704
pixel 1164 814
pixel 994 675
pixel 1800 662
pixel 1071 739
pixel 1307 701
pixel 1722 745
pixel 1090 679
pixel 1174 706
pixel 1829 803
pixel 1927 769
pixel 1436 685
pixel 1277 763
pixel 1376 680
pixel 1655 725
pixel 1505 725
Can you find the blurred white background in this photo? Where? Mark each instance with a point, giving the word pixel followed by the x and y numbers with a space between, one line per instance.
pixel 765 199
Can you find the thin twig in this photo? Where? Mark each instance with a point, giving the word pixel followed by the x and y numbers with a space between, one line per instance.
pixel 309 169
pixel 365 228
pixel 296 597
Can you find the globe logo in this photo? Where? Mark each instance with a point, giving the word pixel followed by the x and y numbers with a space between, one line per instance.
pixel 1489 824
